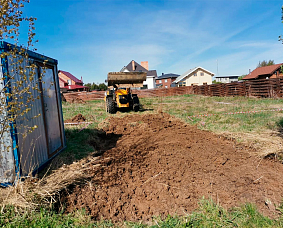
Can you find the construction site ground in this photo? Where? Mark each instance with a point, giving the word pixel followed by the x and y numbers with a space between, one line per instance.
pixel 154 164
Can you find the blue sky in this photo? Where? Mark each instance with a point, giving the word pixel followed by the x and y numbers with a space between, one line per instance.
pixel 90 38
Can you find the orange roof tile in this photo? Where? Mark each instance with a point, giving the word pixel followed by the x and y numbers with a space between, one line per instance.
pixel 262 71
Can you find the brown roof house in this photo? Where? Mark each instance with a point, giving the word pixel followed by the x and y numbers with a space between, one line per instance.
pixel 69 82
pixel 273 71
pixel 166 80
pixel 133 66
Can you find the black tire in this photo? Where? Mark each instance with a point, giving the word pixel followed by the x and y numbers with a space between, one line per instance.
pixel 110 105
pixel 136 104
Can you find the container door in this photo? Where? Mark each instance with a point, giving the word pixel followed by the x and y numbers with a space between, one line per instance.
pixel 51 108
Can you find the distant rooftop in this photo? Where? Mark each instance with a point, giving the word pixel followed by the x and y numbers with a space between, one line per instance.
pixel 230 76
pixel 170 75
pixel 72 77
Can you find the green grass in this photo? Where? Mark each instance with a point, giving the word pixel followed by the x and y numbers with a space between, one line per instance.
pixel 47 218
pixel 94 111
pixel 208 214
pixel 192 105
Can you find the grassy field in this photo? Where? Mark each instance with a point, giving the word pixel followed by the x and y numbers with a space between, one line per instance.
pixel 261 130
pixel 190 105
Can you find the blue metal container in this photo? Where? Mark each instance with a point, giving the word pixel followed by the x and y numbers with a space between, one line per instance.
pixel 36 136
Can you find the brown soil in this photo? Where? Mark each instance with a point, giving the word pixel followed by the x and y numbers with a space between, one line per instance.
pixel 161 166
pixel 76 119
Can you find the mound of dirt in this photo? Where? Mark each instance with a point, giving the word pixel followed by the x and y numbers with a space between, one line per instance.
pixel 76 119
pixel 161 166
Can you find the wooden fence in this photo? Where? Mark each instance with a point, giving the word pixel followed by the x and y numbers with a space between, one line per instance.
pixel 254 88
pixel 272 88
pixel 86 96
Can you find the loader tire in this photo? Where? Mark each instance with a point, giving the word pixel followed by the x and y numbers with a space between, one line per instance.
pixel 136 104
pixel 110 105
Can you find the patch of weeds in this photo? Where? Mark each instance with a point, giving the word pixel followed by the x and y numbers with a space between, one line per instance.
pixel 170 221
pixel 43 218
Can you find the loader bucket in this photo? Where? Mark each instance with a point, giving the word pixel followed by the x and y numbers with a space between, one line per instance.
pixel 134 79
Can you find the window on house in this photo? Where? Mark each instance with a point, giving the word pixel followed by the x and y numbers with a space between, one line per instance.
pixel 166 86
pixel 195 74
pixel 69 82
pixel 205 83
pixel 165 80
pixel 182 84
pixel 201 74
pixel 160 81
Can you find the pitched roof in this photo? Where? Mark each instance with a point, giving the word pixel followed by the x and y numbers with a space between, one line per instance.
pixel 170 75
pixel 69 75
pixel 267 70
pixel 138 67
pixel 151 73
pixel 181 77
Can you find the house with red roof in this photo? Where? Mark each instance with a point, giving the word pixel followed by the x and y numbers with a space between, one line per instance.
pixel 266 72
pixel 69 82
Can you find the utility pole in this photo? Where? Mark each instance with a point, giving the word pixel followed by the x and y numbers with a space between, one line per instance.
pixel 217 67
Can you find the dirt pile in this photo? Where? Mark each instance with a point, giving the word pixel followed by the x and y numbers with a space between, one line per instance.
pixel 161 166
pixel 76 119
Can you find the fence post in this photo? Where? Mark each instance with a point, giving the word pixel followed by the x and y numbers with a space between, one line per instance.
pixel 278 94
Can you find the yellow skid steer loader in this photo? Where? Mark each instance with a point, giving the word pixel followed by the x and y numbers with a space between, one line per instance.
pixel 119 93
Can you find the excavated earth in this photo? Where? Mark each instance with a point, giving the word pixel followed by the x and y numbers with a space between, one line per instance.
pixel 155 165
pixel 76 119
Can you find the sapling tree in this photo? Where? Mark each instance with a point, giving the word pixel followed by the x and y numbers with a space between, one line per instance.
pixel 19 87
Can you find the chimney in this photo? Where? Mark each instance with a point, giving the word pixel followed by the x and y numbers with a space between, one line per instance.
pixel 144 64
pixel 82 78
pixel 162 73
pixel 133 65
pixel 249 71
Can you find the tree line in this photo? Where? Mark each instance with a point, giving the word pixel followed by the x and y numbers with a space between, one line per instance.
pixel 94 86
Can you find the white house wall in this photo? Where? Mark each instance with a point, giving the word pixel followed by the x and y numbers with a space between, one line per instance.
pixel 7 162
pixel 198 79
pixel 150 82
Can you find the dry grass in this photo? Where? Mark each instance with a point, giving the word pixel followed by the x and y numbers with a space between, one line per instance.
pixel 33 193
